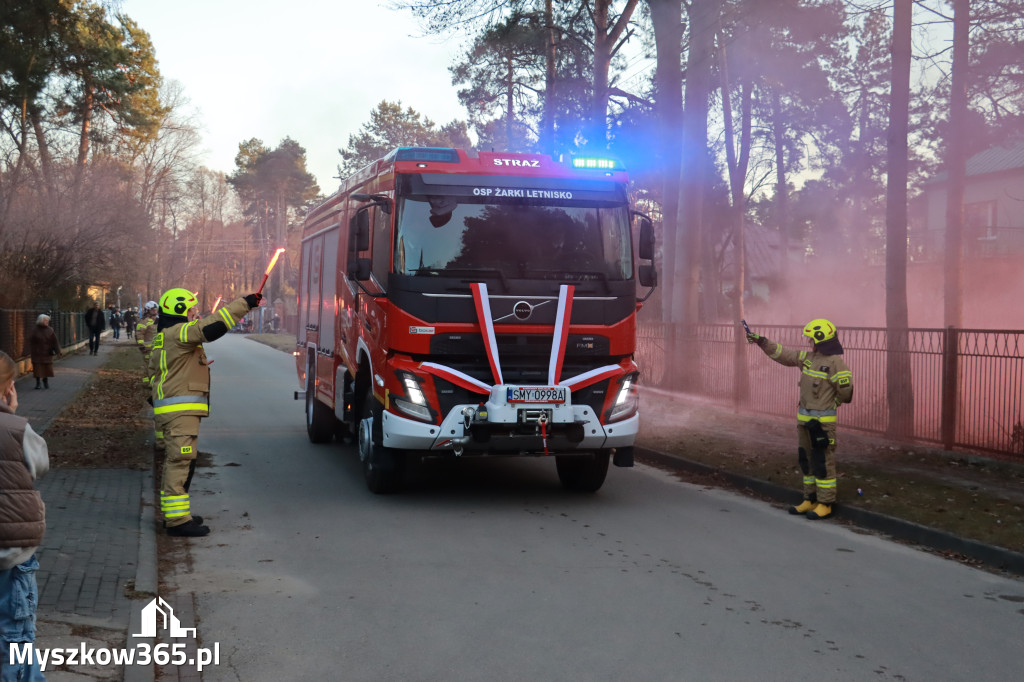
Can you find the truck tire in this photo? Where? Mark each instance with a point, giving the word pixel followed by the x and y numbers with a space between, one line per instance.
pixel 383 468
pixel 320 421
pixel 581 473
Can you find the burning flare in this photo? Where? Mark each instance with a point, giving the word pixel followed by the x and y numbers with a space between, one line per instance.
pixel 273 262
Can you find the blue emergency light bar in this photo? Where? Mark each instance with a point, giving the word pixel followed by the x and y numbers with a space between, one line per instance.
pixel 595 163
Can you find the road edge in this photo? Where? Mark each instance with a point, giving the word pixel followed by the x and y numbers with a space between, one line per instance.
pixel 939 541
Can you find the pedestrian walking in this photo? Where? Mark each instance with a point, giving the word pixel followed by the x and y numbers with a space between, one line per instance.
pixel 131 318
pixel 43 347
pixel 23 459
pixel 96 322
pixel 181 395
pixel 115 322
pixel 825 383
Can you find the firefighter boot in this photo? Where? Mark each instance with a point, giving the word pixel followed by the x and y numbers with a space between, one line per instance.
pixel 821 511
pixel 803 507
pixel 190 529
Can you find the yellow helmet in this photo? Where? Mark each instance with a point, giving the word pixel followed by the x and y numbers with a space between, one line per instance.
pixel 820 330
pixel 177 301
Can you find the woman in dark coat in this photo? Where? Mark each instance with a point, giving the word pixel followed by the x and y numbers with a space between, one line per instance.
pixel 44 346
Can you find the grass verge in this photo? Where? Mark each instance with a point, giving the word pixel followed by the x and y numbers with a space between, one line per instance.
pixel 106 426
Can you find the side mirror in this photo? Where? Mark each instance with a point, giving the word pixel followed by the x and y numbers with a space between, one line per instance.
pixel 360 231
pixel 647 275
pixel 378 200
pixel 361 272
pixel 646 238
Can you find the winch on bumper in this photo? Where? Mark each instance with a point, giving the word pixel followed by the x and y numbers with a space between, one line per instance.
pixel 503 426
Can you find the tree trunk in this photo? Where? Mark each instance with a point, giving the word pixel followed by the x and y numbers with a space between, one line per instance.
pixel 666 15
pixel 83 140
pixel 45 161
pixel 547 133
pixel 956 166
pixel 781 189
pixel 605 38
pixel 602 61
pixel 899 382
pixel 510 78
pixel 737 179
pixel 686 277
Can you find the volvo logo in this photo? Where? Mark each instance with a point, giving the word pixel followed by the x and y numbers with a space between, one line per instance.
pixel 522 310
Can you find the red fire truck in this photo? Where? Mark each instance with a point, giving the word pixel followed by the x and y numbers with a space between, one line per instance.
pixel 457 304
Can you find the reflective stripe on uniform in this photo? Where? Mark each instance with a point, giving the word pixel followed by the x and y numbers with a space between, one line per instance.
pixel 808 480
pixel 183 332
pixel 228 318
pixel 778 351
pixel 174 506
pixel 181 403
pixel 824 416
pixel 814 373
pixel 842 375
pixel 185 407
pixel 825 482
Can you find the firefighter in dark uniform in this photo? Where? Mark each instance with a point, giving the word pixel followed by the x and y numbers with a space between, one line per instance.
pixel 181 395
pixel 825 383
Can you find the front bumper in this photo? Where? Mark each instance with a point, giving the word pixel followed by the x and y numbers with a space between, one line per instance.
pixel 505 431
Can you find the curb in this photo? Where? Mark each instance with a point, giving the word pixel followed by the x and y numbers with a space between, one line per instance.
pixel 990 555
pixel 145 579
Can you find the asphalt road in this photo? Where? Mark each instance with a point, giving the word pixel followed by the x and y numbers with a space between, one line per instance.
pixel 488 570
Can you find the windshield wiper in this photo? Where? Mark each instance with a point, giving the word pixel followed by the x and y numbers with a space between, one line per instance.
pixel 465 272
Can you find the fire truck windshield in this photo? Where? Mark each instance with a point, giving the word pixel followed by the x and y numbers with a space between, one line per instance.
pixel 513 238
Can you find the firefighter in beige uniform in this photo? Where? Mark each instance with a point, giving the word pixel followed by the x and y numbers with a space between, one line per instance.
pixel 181 395
pixel 825 383
pixel 145 332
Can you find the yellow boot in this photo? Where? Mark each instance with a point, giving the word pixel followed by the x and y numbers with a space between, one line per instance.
pixel 821 511
pixel 802 508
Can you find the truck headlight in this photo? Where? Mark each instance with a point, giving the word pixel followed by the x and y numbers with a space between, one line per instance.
pixel 414 403
pixel 627 402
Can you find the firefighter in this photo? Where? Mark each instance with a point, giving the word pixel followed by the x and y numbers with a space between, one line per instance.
pixel 144 333
pixel 825 383
pixel 181 395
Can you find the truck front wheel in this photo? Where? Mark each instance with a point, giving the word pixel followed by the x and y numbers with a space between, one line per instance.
pixel 384 468
pixel 582 473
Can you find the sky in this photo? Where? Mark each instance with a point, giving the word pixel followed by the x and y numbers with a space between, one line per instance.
pixel 312 70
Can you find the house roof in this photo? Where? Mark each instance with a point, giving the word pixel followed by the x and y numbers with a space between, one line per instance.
pixel 1002 157
pixel 997 158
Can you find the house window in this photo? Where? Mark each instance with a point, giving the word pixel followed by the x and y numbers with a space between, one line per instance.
pixel 980 219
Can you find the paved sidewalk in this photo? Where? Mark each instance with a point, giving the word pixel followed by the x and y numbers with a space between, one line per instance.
pixel 100 543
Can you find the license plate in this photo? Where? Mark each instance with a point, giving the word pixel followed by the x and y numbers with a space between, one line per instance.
pixel 537 394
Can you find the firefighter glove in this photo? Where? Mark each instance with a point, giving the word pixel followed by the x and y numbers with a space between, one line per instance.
pixel 253 300
pixel 755 338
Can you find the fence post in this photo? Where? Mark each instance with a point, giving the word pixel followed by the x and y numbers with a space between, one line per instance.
pixel 950 380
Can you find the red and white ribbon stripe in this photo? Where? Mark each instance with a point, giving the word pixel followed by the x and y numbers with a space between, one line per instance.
pixel 456 377
pixel 483 315
pixel 562 318
pixel 592 377
pixel 558 344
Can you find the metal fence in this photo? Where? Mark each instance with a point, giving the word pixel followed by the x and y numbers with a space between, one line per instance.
pixel 967 384
pixel 17 325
